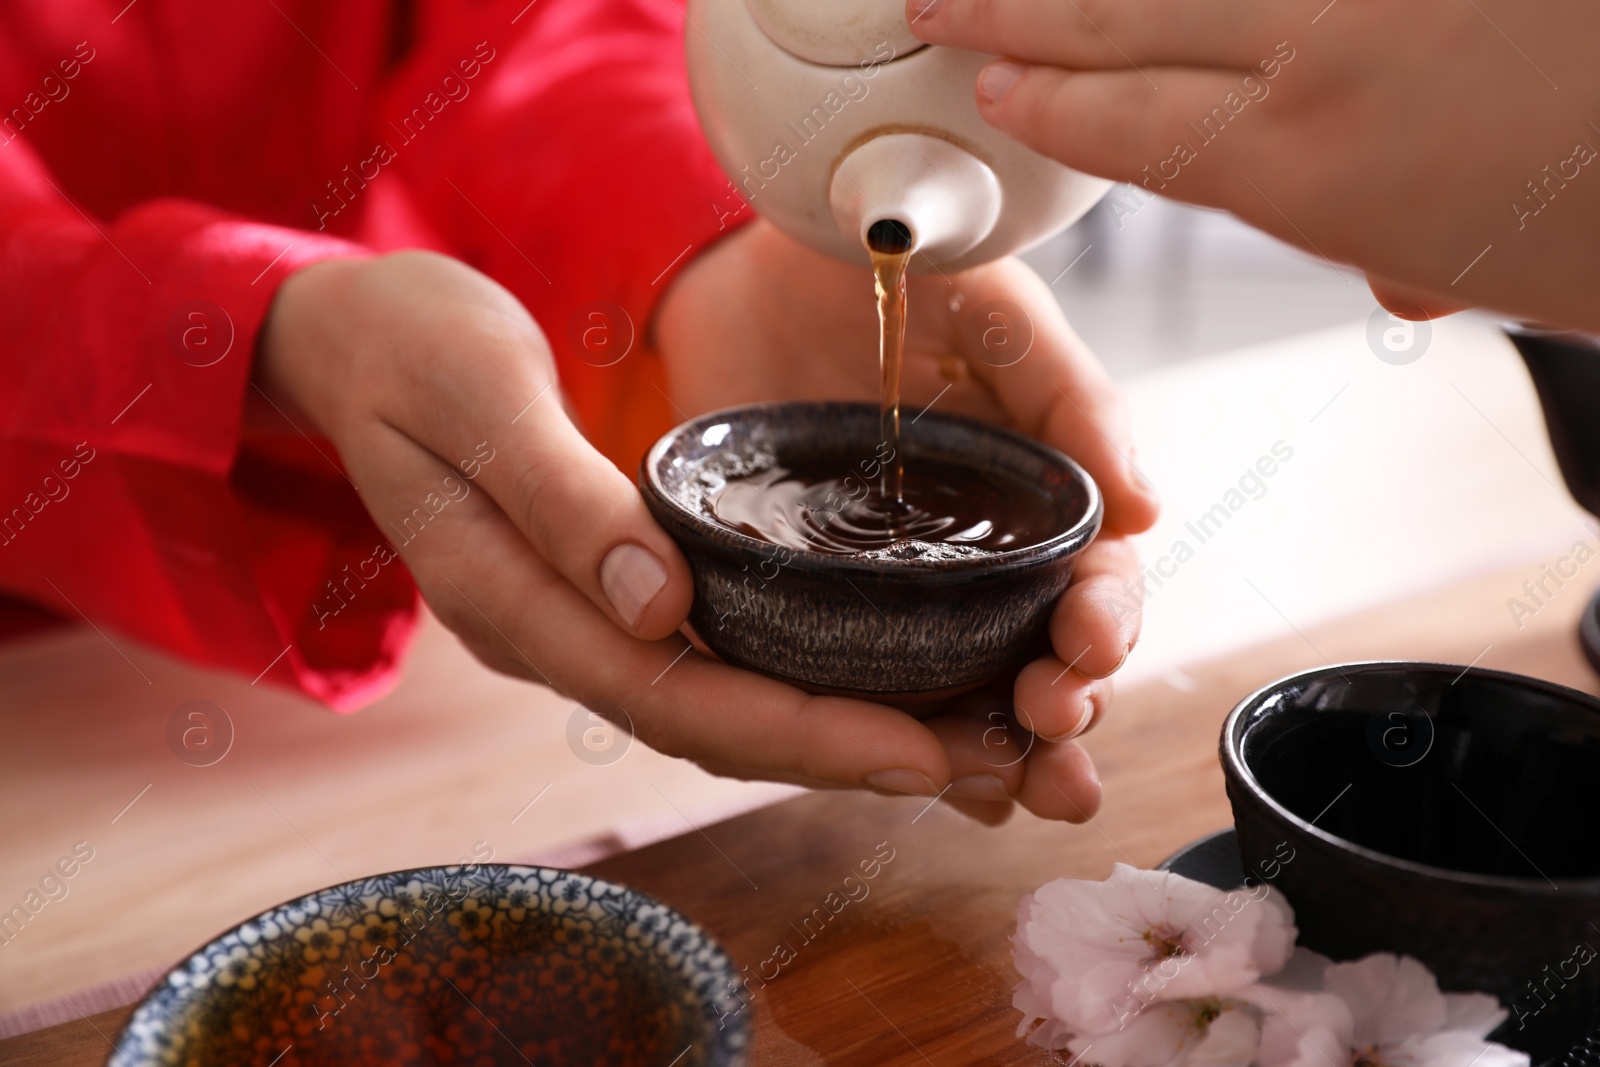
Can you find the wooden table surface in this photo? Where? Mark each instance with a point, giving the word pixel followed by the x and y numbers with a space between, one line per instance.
pixel 919 971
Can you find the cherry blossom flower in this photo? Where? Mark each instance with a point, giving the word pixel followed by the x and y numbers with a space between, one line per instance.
pixel 1380 1011
pixel 1150 969
pixel 1195 1032
pixel 1095 957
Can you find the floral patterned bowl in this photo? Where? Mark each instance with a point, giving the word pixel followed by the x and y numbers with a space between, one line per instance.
pixel 480 964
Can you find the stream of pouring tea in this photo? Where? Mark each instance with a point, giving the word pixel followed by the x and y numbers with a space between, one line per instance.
pixel 939 511
pixel 889 243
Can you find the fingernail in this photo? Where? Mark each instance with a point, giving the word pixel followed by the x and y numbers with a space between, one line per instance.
pixel 1115 667
pixel 914 783
pixel 1139 479
pixel 631 578
pixel 979 787
pixel 1085 717
pixel 919 8
pixel 997 80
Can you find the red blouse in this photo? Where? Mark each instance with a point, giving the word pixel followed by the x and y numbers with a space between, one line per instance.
pixel 165 164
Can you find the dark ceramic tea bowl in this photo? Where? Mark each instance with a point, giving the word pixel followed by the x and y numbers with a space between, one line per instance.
pixel 1446 813
pixel 913 632
pixel 479 964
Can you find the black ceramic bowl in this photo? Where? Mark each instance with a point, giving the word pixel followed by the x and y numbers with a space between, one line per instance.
pixel 912 632
pixel 1448 814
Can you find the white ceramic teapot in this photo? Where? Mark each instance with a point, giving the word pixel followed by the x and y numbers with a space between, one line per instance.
pixel 829 116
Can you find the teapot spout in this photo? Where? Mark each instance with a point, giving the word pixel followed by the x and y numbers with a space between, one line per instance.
pixel 946 199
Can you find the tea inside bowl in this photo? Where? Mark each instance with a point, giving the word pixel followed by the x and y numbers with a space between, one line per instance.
pixel 817 484
pixel 486 965
pixel 946 510
pixel 1466 778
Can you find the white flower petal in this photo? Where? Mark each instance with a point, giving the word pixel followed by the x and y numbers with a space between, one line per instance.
pixel 1275 935
pixel 1391 997
pixel 1154 1038
pixel 1233 1038
pixel 1457 1048
pixel 1172 1035
pixel 1301 1028
pixel 1304 972
pixel 1236 937
pixel 1475 1013
pixel 1046 1033
pixel 1097 952
pixel 1032 998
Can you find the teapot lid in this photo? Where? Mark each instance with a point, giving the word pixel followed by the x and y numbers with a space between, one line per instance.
pixel 837 33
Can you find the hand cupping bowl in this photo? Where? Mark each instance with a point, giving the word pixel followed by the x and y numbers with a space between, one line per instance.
pixel 1444 813
pixel 908 627
pixel 479 964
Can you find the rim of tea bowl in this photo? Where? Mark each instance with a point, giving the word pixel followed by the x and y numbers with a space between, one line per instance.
pixel 707 534
pixel 1249 712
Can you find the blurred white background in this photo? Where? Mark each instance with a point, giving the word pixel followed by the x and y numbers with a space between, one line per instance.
pixel 1148 282
pixel 1411 470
